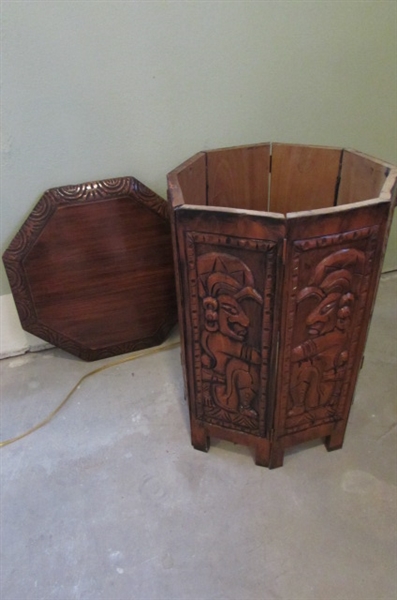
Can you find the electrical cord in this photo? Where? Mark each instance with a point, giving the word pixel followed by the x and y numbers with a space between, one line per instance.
pixel 140 354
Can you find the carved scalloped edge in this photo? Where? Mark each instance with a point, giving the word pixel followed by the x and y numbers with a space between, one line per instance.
pixel 21 292
pixel 90 354
pixel 31 228
pixel 91 191
pixel 54 197
pixel 84 192
pixel 54 337
pixel 150 199
pixel 29 232
pixel 154 340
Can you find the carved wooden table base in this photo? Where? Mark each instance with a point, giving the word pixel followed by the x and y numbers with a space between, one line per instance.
pixel 278 252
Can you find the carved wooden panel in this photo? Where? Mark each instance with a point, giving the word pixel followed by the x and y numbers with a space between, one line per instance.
pixel 274 308
pixel 232 328
pixel 91 269
pixel 329 288
pixel 230 291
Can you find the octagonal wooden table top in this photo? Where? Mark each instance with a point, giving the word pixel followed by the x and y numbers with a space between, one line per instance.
pixel 91 269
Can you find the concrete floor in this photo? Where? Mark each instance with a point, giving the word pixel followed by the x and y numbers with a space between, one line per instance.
pixel 110 502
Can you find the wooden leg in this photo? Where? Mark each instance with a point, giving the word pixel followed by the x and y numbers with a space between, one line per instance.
pixel 262 454
pixel 200 439
pixel 276 457
pixel 335 440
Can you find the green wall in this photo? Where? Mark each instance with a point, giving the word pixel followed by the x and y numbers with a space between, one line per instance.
pixel 104 89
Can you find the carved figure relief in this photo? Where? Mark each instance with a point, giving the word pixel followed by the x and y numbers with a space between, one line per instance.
pixel 231 310
pixel 230 366
pixel 319 362
pixel 275 287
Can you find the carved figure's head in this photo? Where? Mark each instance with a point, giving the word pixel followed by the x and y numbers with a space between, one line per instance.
pixel 224 281
pixel 332 284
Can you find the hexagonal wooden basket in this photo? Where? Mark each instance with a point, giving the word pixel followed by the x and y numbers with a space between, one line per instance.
pixel 91 269
pixel 278 250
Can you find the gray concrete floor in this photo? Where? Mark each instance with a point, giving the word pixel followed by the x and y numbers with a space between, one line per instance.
pixel 110 502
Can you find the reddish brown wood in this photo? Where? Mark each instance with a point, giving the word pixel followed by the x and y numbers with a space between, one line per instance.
pixel 251 282
pixel 226 293
pixel 303 177
pixel 192 180
pixel 229 283
pixel 91 269
pixel 200 438
pixel 239 177
pixel 329 285
pixel 362 177
pixel 335 440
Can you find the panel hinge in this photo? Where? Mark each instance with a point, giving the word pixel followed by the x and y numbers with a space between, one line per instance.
pixel 270 163
pixel 362 361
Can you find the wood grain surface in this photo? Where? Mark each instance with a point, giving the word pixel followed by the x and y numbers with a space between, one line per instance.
pixel 274 307
pixel 239 177
pixel 362 177
pixel 91 269
pixel 303 177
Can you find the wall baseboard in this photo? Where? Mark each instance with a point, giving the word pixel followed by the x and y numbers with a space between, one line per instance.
pixel 13 339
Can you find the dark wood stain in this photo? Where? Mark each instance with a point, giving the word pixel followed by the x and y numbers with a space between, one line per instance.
pixel 91 269
pixel 274 309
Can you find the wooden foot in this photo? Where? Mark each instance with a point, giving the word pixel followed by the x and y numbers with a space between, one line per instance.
pixel 276 457
pixel 262 454
pixel 200 439
pixel 334 441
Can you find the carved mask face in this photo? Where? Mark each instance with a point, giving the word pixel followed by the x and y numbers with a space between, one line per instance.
pixel 323 318
pixel 233 321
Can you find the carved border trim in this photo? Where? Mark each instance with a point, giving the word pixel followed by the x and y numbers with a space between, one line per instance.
pixel 20 246
pixel 269 249
pixel 300 246
pixel 95 191
pixel 334 239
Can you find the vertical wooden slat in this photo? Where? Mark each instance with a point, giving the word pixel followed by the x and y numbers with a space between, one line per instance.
pixel 361 177
pixel 303 177
pixel 238 177
pixel 191 176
